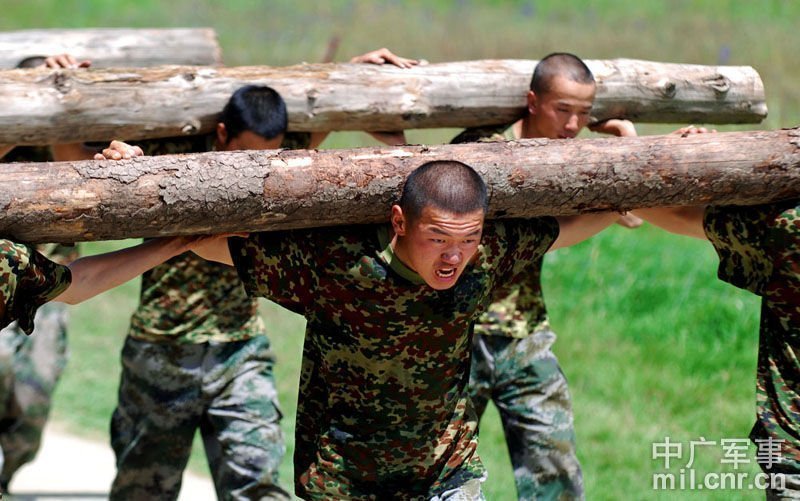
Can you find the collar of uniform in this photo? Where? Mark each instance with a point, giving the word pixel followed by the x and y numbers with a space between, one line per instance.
pixel 388 256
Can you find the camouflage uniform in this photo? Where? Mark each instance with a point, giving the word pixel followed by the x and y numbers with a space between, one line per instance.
pixel 383 411
pixel 759 250
pixel 514 367
pixel 196 356
pixel 33 364
pixel 27 281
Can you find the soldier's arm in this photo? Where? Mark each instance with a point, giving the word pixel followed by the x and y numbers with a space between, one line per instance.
pixel 213 248
pixel 379 56
pixel 681 220
pixel 92 275
pixel 576 229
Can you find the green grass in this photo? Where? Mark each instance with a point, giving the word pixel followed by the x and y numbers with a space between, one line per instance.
pixel 652 344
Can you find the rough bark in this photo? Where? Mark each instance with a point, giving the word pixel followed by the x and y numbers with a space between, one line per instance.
pixel 45 107
pixel 269 190
pixel 114 47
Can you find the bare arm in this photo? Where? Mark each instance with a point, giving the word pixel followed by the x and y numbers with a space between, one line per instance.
pixel 615 127
pixel 576 229
pixel 69 152
pixel 92 275
pixel 213 248
pixel 379 56
pixel 681 220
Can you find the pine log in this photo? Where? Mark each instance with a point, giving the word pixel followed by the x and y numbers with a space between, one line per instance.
pixel 53 106
pixel 114 47
pixel 270 190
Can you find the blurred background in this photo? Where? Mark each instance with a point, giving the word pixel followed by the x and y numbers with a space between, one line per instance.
pixel 653 345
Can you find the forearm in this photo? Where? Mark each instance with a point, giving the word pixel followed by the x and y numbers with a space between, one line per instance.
pixel 71 152
pixel 576 229
pixel 93 275
pixel 213 248
pixel 686 221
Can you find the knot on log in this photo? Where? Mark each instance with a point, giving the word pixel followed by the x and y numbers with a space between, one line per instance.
pixel 720 83
pixel 311 101
pixel 190 128
pixel 61 82
pixel 667 88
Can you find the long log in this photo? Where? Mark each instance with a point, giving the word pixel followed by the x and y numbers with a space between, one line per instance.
pixel 269 190
pixel 114 47
pixel 44 107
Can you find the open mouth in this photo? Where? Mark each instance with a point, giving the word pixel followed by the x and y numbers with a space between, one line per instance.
pixel 445 272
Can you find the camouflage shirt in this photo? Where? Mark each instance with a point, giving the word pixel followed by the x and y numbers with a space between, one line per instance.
pixel 518 309
pixel 188 299
pixel 759 250
pixel 383 409
pixel 27 280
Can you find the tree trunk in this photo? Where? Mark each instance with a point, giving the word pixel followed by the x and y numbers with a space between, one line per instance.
pixel 45 107
pixel 114 47
pixel 268 190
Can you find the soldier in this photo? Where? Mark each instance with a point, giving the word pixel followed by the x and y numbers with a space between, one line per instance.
pixel 513 364
pixel 759 251
pixel 383 410
pixel 197 355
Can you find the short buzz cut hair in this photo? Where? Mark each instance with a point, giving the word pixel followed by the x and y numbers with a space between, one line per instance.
pixel 561 64
pixel 448 185
pixel 255 108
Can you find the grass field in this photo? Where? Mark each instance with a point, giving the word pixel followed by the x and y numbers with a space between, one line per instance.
pixel 653 345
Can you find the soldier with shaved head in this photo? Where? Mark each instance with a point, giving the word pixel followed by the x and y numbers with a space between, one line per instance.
pixel 383 410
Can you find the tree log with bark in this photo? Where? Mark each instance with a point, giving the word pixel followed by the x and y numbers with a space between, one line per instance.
pixel 64 106
pixel 268 190
pixel 114 47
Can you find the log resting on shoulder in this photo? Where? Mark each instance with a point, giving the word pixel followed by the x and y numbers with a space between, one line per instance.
pixel 269 190
pixel 63 106
pixel 114 47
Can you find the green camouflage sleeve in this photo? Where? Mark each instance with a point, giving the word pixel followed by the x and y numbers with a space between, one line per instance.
pixel 28 280
pixel 784 290
pixel 279 266
pixel 530 239
pixel 739 237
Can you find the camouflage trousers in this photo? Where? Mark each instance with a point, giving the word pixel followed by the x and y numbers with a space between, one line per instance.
pixel 470 491
pixel 523 379
pixel 30 367
pixel 168 391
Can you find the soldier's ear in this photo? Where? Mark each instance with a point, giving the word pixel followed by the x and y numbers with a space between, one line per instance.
pixel 399 223
pixel 222 134
pixel 532 102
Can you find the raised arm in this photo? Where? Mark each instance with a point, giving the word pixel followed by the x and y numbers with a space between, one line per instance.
pixel 379 56
pixel 681 220
pixel 92 275
pixel 576 229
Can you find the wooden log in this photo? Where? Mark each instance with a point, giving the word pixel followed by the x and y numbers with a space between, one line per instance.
pixel 43 107
pixel 269 190
pixel 114 47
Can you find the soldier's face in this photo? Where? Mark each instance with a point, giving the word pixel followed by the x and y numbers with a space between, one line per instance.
pixel 563 111
pixel 438 245
pixel 245 140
